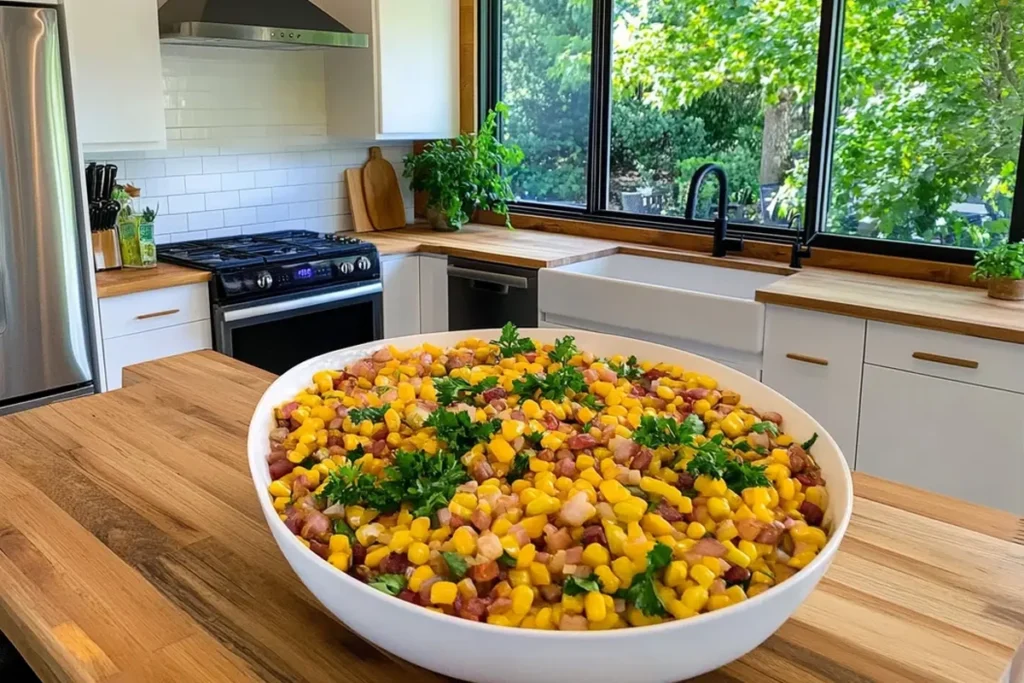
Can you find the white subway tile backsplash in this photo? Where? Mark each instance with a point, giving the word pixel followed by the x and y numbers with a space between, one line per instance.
pixel 321 158
pixel 272 213
pixel 202 183
pixel 204 220
pixel 289 193
pixel 238 181
pixel 222 200
pixel 325 224
pixel 186 203
pixel 220 164
pixel 184 165
pixel 243 216
pixel 258 197
pixel 286 160
pixel 298 224
pixel 258 228
pixel 167 223
pixel 145 168
pixel 270 178
pixel 302 210
pixel 165 186
pixel 223 232
pixel 253 162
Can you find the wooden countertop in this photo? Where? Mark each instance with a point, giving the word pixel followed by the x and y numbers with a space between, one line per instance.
pixel 132 549
pixel 963 310
pixel 132 280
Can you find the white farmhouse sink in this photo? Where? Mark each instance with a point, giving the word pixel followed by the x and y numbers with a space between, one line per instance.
pixel 708 305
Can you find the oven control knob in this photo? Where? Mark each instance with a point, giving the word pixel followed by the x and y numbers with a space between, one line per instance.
pixel 363 263
pixel 346 268
pixel 264 280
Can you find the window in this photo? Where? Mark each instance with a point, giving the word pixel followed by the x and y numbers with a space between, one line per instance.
pixel 889 126
pixel 929 120
pixel 705 81
pixel 545 81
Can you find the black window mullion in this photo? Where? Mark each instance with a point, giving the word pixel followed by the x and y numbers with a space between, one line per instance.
pixel 1017 212
pixel 826 100
pixel 598 156
pixel 489 56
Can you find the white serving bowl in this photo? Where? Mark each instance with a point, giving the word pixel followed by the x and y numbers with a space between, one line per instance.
pixel 481 652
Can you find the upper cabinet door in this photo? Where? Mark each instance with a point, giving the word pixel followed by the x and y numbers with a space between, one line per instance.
pixel 114 48
pixel 418 61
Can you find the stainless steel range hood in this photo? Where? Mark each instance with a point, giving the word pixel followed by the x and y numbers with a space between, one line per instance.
pixel 266 24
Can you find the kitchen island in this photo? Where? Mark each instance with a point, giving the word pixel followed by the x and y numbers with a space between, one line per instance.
pixel 132 549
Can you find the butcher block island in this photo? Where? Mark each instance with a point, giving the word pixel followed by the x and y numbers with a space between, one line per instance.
pixel 132 548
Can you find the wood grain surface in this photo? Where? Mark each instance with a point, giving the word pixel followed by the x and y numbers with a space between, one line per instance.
pixel 383 197
pixel 962 310
pixel 132 549
pixel 357 200
pixel 131 280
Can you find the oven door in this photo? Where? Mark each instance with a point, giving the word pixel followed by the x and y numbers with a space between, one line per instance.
pixel 277 334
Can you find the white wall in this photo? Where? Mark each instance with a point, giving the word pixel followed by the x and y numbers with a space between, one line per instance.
pixel 247 150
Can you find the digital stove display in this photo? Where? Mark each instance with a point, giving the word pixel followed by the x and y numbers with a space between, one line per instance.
pixel 304 273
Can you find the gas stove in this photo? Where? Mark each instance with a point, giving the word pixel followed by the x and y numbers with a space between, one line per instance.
pixel 276 263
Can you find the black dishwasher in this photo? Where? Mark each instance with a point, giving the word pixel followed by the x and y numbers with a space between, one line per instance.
pixel 483 295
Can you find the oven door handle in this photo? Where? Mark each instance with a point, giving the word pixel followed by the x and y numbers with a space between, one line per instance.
pixel 513 281
pixel 250 312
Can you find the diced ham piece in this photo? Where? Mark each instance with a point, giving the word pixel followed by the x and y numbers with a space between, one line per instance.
pixel 749 529
pixel 580 441
pixel 772 417
pixel 473 609
pixel 552 592
pixel 520 534
pixel 812 513
pixel 485 571
pixel 574 555
pixel 362 368
pixel 577 509
pixel 286 409
pixel 481 519
pixel 316 526
pixel 493 393
pixel 595 534
pixel 669 513
pixel 797 459
pixel 623 449
pixel 547 455
pixel 294 520
pixel 551 422
pixel 499 404
pixel 278 434
pixel 500 606
pixel 572 622
pixel 444 516
pixel 281 468
pixel 394 563
pixel 736 574
pixel 560 540
pixel 565 467
pixel 517 415
pixel 685 482
pixel 770 535
pixel 641 460
pixel 589 376
pixel 758 440
pixel 382 355
pixel 276 454
pixel 697 394
pixel 654 374
pixel 481 470
pixel 709 547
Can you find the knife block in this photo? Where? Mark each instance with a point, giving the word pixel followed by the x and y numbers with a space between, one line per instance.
pixel 106 250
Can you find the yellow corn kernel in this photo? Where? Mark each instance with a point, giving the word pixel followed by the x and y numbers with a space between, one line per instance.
pixel 702 575
pixel 656 524
pixel 732 425
pixel 543 505
pixel 539 574
pixel 695 597
pixel 637 618
pixel 500 449
pixel 552 440
pixel 786 489
pixel 601 388
pixel 748 549
pixel 719 508
pixel 716 602
pixel 340 543
pixel 420 528
pixel 590 475
pixel 616 537
pixel 665 393
pixel 695 530
pixel 737 557
pixel 613 491
pixel 757 495
pixel 595 555
pixel 418 576
pixel 816 495
pixel 595 607
pixel 572 604
pixel 624 570
pixel 466 500
pixel 280 504
pixel 763 514
pixel 630 510
pixel 279 489
pixel 543 618
pixel 676 573
pixel 418 553
pixel 802 533
pixel 609 581
pixel 501 526
pixel 374 557
pixel 443 593
pixel 522 599
pixel 519 577
pixel 400 540
pixel 340 560
pixel 585 415
pixel 713 564
pixel 464 541
pixel 617 411
pixel 735 594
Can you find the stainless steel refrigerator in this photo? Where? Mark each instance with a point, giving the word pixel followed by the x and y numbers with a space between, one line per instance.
pixel 45 336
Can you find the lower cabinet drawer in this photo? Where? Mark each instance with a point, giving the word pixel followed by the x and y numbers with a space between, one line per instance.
pixel 154 309
pixel 139 348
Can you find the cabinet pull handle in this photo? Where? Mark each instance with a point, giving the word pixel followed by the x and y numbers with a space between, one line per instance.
pixel 158 314
pixel 807 359
pixel 945 360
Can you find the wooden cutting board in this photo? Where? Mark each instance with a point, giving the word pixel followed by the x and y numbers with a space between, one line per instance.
pixel 383 197
pixel 357 200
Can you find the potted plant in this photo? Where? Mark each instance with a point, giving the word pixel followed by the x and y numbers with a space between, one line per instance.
pixel 1002 267
pixel 465 174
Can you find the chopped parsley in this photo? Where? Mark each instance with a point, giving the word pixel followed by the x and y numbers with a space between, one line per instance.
pixel 427 482
pixel 629 370
pixel 766 426
pixel 342 527
pixel 510 343
pixel 712 460
pixel 654 432
pixel 452 389
pixel 588 400
pixel 520 466
pixel 357 415
pixel 641 593
pixel 565 349
pixel 574 585
pixel 458 431
pixel 806 445
pixel 553 385
pixel 507 560
pixel 392 584
pixel 457 565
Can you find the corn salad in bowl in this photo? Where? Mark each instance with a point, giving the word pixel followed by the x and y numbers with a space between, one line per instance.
pixel 534 485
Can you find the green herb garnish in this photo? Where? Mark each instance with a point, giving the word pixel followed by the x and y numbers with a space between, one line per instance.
pixel 588 400
pixel 574 585
pixel 806 445
pixel 452 389
pixel 766 426
pixel 457 564
pixel 553 385
pixel 641 592
pixel 458 431
pixel 510 343
pixel 392 584
pixel 342 527
pixel 666 431
pixel 565 349
pixel 712 460
pixel 520 465
pixel 357 415
pixel 629 370
pixel 507 560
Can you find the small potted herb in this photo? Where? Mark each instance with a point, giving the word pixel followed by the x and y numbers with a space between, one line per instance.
pixel 1002 268
pixel 465 174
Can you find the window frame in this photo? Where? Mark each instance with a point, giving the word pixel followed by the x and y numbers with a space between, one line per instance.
pixel 826 100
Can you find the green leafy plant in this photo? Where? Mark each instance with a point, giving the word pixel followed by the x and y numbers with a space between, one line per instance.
pixel 510 342
pixel 553 386
pixel 465 174
pixel 1002 261
pixel 150 214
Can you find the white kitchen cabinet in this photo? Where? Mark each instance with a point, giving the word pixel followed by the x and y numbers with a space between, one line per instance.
pixel 433 293
pixel 406 85
pixel 401 295
pixel 116 75
pixel 121 352
pixel 815 360
pixel 949 437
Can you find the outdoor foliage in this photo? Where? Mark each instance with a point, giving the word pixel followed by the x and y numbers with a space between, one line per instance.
pixel 929 121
